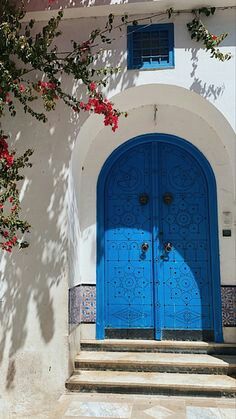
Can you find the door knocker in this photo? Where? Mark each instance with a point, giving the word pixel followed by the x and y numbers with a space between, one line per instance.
pixel 168 247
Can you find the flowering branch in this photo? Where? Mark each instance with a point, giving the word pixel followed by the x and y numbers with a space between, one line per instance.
pixel 98 105
pixel 10 222
pixel 200 33
pixel 22 52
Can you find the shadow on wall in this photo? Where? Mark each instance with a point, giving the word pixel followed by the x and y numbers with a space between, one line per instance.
pixel 39 5
pixel 117 57
pixel 208 91
pixel 32 278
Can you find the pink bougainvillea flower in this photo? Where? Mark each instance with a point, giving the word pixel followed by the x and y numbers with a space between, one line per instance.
pixel 50 85
pixel 3 143
pixel 102 106
pixel 8 157
pixel 4 154
pixel 92 86
pixel 22 88
pixel 7 98
pixel 46 88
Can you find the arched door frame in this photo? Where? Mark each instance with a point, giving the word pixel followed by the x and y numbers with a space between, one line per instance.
pixel 213 224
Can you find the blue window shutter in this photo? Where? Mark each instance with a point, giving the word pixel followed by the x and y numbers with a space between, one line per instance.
pixel 150 47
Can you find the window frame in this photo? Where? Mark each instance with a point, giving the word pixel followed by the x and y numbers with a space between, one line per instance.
pixel 151 28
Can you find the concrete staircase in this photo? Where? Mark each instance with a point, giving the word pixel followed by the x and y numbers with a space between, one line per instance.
pixel 152 367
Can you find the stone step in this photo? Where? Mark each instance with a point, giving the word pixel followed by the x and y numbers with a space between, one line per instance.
pixel 152 383
pixel 156 362
pixel 127 345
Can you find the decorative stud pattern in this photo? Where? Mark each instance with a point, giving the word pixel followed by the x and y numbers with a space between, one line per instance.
pixel 184 275
pixel 128 279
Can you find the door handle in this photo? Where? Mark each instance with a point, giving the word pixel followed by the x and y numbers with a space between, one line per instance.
pixel 168 246
pixel 145 247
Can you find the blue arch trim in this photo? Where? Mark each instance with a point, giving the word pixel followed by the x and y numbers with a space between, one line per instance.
pixel 213 224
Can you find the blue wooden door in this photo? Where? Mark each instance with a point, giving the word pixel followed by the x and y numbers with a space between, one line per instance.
pixel 184 290
pixel 156 247
pixel 128 225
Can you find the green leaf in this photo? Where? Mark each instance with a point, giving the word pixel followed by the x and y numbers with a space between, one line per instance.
pixel 31 23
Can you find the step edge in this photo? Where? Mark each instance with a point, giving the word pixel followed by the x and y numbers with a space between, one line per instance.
pixel 155 363
pixel 161 385
pixel 156 343
pixel 153 374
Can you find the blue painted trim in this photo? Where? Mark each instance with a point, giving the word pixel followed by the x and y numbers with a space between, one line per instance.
pixel 151 28
pixel 100 271
pixel 213 223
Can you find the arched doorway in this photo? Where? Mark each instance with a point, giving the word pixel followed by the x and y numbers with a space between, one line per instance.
pixel 158 262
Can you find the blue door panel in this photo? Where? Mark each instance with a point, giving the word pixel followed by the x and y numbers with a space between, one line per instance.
pixel 134 316
pixel 181 171
pixel 180 220
pixel 185 250
pixel 182 317
pixel 129 284
pixel 127 250
pixel 128 270
pixel 195 282
pixel 154 288
pixel 184 273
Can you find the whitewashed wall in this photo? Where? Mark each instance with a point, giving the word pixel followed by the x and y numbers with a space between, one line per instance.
pixel 195 101
pixel 206 89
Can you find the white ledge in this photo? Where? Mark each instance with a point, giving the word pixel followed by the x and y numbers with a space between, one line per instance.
pixel 38 10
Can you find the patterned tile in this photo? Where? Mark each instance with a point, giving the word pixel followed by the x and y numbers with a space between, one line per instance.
pixel 159 412
pixel 88 303
pixel 227 413
pixel 82 304
pixel 99 410
pixel 228 295
pixel 203 413
pixel 74 305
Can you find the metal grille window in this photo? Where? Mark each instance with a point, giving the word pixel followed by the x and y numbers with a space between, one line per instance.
pixel 150 47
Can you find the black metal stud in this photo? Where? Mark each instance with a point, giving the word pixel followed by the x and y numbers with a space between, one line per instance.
pixel 143 199
pixel 168 198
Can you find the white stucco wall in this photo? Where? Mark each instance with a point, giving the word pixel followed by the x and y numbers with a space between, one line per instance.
pixel 196 101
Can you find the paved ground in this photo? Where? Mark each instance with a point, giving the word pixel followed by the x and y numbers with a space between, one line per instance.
pixel 142 407
pixel 113 406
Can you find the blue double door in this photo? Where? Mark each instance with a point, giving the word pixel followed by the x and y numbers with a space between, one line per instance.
pixel 157 279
